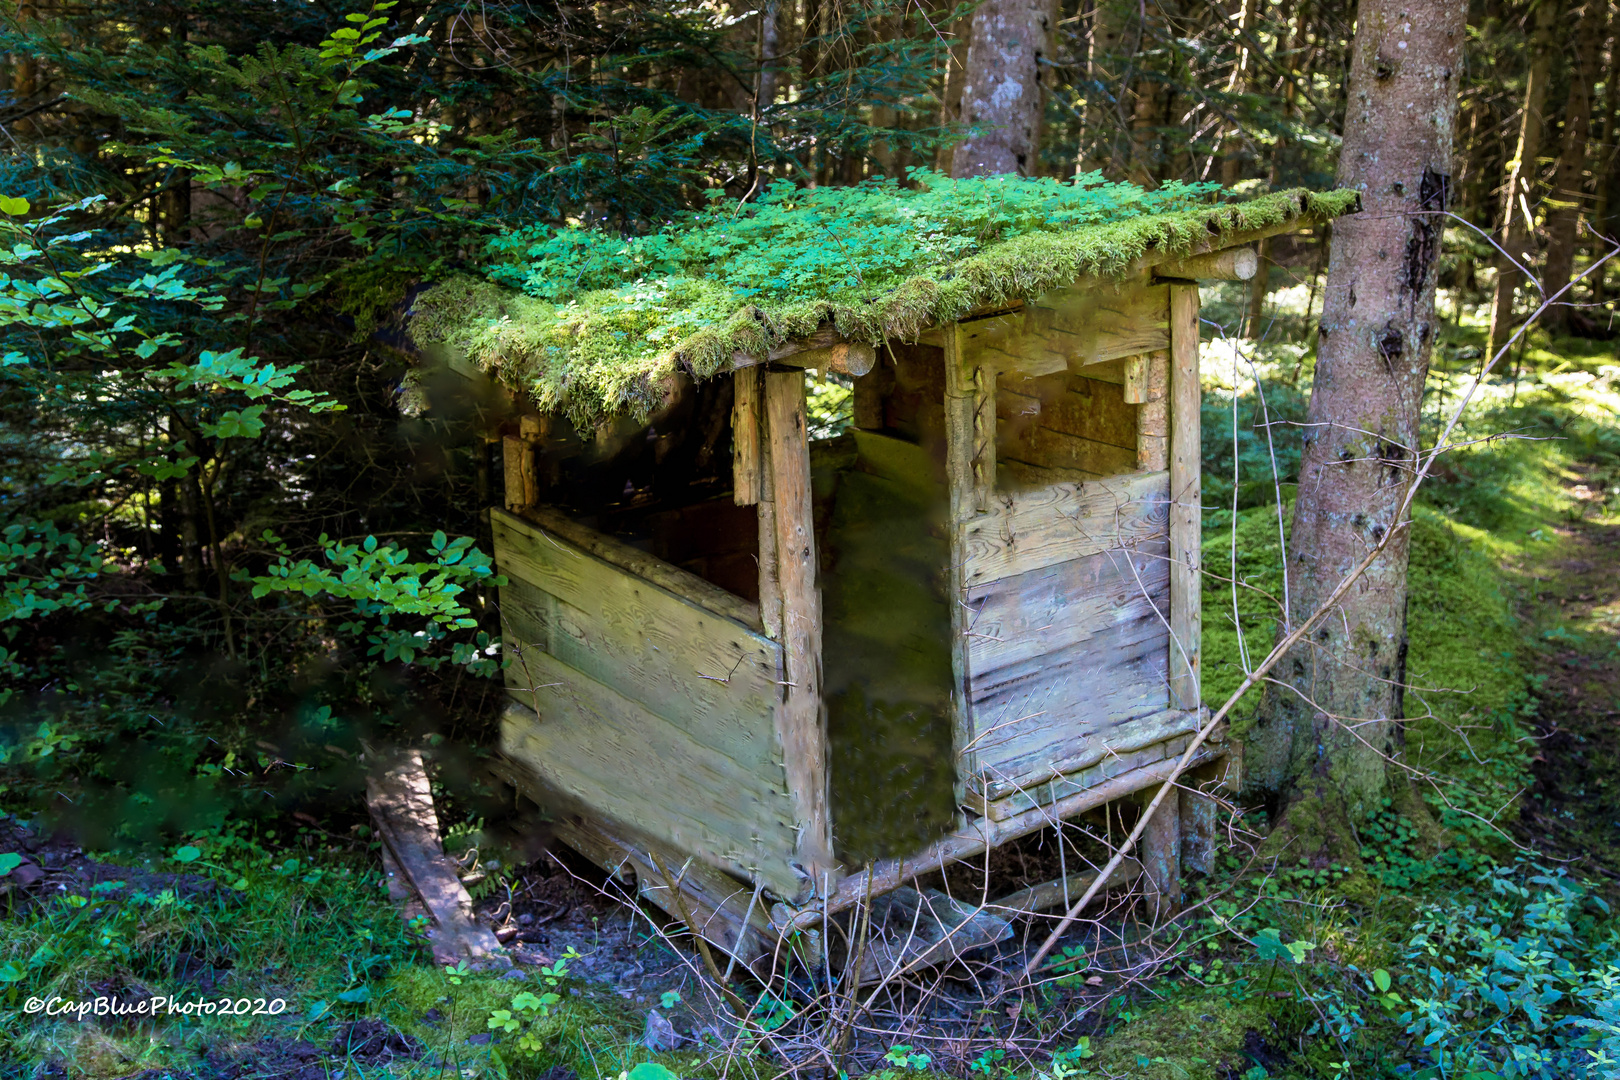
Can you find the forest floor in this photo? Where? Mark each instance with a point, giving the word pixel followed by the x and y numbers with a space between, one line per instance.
pixel 1572 814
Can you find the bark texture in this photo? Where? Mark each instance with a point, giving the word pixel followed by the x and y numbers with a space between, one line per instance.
pixel 1327 729
pixel 1517 196
pixel 1568 195
pixel 1004 96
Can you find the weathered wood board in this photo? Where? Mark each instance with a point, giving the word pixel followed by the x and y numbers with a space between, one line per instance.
pixel 603 752
pixel 1071 404
pixel 1031 530
pixel 1067 329
pixel 727 717
pixel 999 800
pixel 1064 655
pixel 652 711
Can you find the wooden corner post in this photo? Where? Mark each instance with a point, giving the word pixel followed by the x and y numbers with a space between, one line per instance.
pixel 1186 538
pixel 970 472
pixel 800 717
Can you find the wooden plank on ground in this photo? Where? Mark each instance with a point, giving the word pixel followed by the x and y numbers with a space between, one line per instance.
pixel 1186 535
pixel 1035 529
pixel 604 752
pixel 401 802
pixel 801 723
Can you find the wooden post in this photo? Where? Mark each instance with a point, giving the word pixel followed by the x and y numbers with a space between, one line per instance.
pixel 1186 610
pixel 801 720
pixel 867 397
pixel 746 473
pixel 518 452
pixel 970 471
pixel 1161 851
pixel 1147 384
pixel 1198 812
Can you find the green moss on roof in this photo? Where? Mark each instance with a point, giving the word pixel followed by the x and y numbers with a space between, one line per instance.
pixel 591 324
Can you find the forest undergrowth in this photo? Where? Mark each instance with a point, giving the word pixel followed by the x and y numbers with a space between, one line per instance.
pixel 1494 955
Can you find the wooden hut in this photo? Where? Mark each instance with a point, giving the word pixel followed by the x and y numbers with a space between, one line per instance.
pixel 824 667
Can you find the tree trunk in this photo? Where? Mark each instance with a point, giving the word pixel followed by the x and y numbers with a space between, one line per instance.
pixel 1102 120
pixel 1327 733
pixel 1145 129
pixel 1521 175
pixel 1005 95
pixel 1569 183
pixel 950 109
pixel 1260 284
pixel 1236 86
pixel 1603 216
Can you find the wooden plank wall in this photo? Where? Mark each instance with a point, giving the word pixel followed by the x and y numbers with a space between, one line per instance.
pixel 1063 426
pixel 1064 575
pixel 652 711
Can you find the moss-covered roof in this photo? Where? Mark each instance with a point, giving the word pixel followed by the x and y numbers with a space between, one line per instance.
pixel 592 324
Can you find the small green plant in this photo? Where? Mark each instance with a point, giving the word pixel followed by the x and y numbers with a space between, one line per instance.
pixel 1070 965
pixel 902 1056
pixel 990 1063
pixel 527 1007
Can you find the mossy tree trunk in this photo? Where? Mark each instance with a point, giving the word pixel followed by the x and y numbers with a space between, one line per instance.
pixel 1004 97
pixel 1329 729
pixel 1569 180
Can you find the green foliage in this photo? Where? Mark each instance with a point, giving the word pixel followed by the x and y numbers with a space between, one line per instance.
pixel 602 319
pixel 383 583
pixel 1521 980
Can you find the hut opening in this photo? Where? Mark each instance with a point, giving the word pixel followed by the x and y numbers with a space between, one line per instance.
pixel 809 669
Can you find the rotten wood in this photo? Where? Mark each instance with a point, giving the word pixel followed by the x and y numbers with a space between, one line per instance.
pixel 908 929
pixel 1063 891
pixel 400 799
pixel 1199 812
pixel 1161 855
